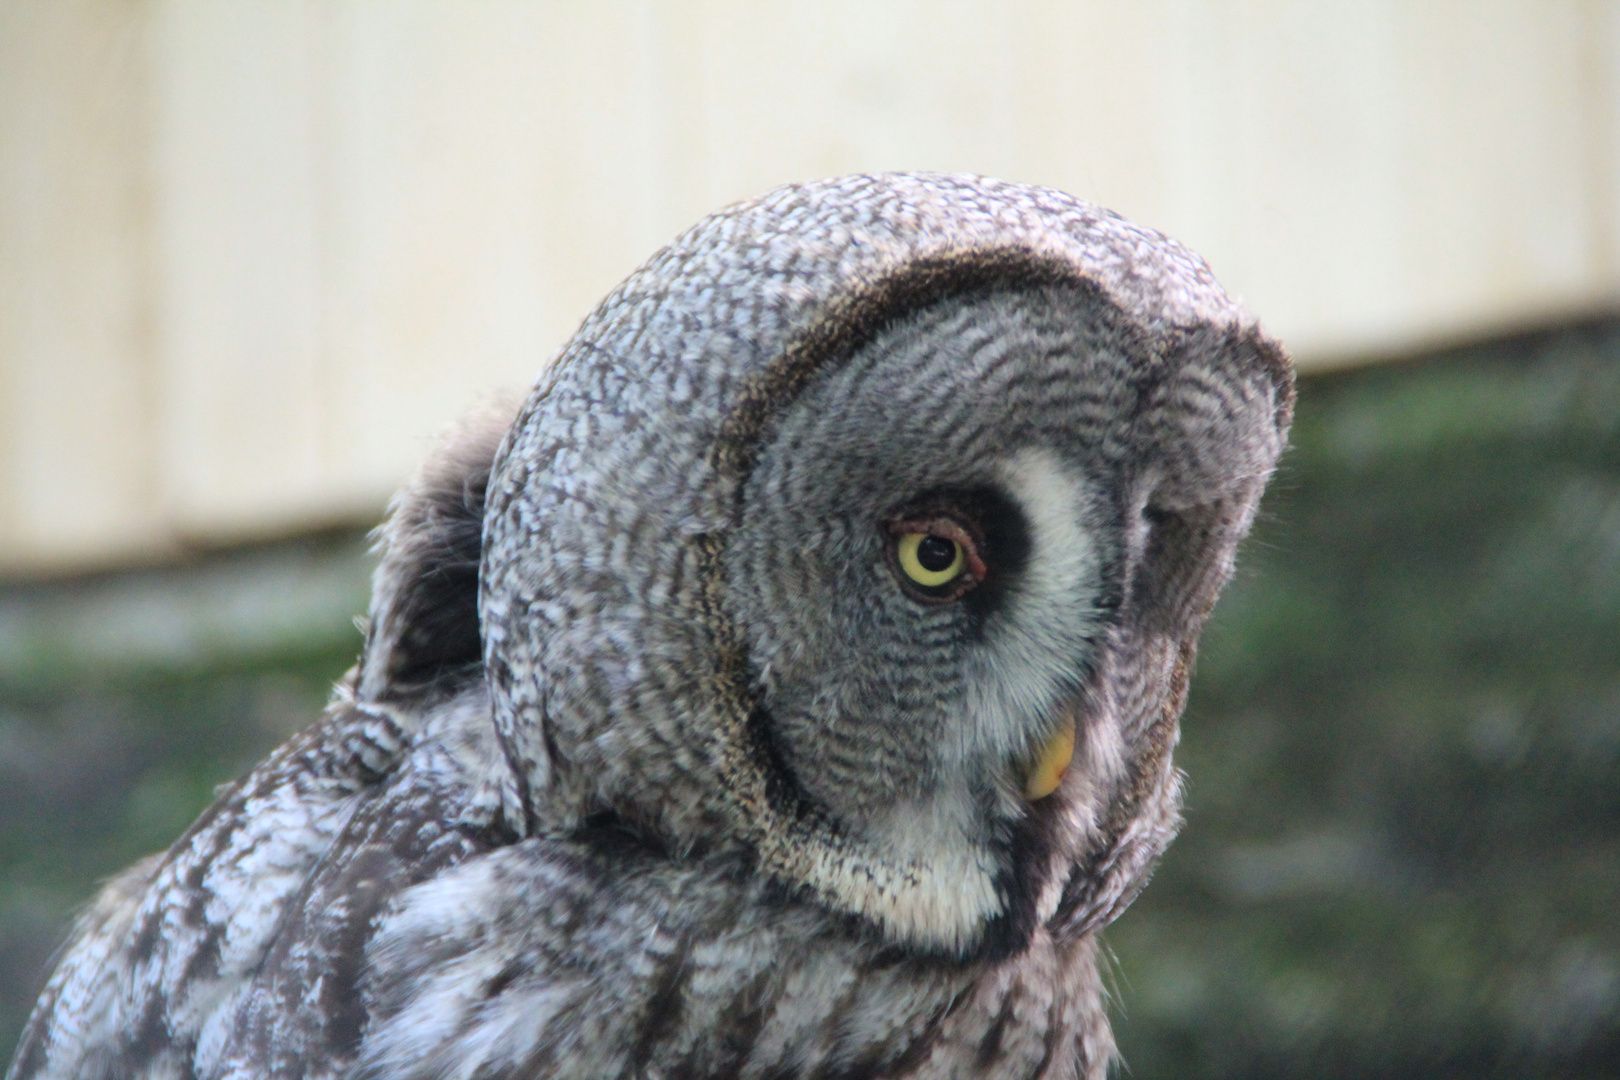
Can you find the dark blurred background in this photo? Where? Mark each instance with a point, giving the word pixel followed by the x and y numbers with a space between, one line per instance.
pixel 253 253
pixel 1402 852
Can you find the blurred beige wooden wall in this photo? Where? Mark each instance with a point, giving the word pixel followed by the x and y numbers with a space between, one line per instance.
pixel 253 252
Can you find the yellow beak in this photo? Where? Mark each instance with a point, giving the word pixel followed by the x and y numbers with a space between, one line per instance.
pixel 1052 764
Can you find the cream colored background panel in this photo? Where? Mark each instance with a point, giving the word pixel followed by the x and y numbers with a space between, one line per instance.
pixel 239 179
pixel 494 174
pixel 254 252
pixel 78 456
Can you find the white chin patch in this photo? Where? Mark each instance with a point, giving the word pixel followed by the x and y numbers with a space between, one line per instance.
pixel 943 899
pixel 1035 647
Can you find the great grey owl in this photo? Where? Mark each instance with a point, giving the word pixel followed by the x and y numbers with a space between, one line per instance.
pixel 789 691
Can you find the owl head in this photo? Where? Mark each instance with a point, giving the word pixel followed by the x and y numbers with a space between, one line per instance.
pixel 863 536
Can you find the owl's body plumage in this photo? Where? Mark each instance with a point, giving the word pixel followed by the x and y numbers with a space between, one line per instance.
pixel 666 756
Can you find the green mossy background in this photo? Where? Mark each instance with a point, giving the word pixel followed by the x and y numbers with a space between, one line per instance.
pixel 1402 852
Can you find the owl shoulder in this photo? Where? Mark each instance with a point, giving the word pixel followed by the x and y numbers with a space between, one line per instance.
pixel 167 944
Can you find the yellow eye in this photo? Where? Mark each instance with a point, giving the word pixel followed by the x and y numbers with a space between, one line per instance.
pixel 935 558
pixel 930 560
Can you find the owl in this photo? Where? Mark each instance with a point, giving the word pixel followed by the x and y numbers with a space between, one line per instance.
pixel 788 690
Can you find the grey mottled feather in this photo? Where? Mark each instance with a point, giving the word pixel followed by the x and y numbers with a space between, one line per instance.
pixel 652 767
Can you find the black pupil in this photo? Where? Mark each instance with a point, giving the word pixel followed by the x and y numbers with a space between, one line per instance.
pixel 935 553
